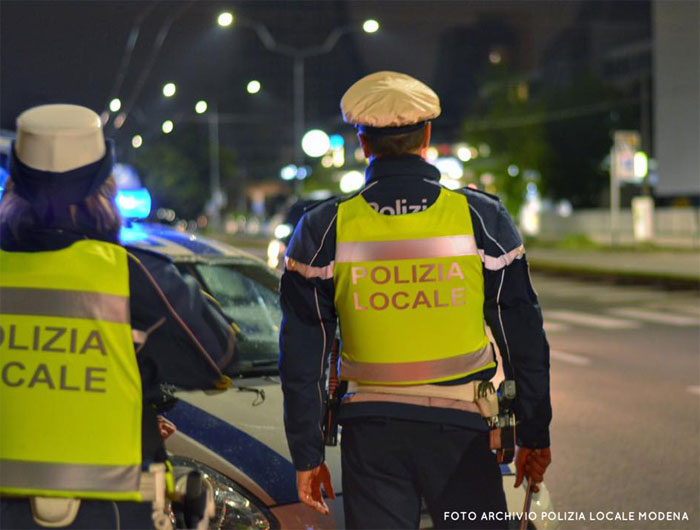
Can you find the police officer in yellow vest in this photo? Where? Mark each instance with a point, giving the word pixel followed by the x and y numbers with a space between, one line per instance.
pixel 411 271
pixel 89 330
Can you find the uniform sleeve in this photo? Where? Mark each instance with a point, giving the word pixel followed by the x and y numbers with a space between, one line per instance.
pixel 513 313
pixel 308 329
pixel 187 341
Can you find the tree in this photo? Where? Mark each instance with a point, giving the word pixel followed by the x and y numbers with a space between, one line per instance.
pixel 582 115
pixel 558 137
pixel 175 168
pixel 516 146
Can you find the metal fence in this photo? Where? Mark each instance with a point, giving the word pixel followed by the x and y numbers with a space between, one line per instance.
pixel 672 226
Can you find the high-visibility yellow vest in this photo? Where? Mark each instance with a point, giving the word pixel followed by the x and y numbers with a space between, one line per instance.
pixel 409 293
pixel 70 389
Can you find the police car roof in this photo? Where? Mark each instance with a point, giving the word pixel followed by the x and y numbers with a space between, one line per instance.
pixel 180 246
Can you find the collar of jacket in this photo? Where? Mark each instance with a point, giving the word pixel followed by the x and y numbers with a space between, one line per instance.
pixel 409 165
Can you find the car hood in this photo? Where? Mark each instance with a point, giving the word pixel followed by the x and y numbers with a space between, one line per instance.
pixel 240 432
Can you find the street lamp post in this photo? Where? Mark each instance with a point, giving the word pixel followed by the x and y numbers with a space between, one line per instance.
pixel 299 55
pixel 214 169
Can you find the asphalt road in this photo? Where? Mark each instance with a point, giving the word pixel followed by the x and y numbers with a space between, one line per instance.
pixel 625 369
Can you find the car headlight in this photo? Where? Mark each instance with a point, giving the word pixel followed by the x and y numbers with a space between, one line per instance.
pixel 236 508
pixel 273 253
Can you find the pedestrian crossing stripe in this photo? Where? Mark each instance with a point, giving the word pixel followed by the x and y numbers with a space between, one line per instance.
pixel 656 317
pixel 553 327
pixel 593 321
pixel 570 358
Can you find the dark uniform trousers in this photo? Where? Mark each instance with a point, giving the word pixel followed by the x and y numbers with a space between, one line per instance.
pixel 390 464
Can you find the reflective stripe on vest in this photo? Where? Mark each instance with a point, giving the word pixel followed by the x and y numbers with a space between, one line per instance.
pixel 435 370
pixel 409 293
pixel 70 388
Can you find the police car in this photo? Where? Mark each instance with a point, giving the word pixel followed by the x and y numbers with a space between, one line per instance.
pixel 236 438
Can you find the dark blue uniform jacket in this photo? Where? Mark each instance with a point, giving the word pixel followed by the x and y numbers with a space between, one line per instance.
pixel 400 186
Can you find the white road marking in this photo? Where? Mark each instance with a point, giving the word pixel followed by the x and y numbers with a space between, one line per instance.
pixel 593 321
pixel 694 390
pixel 554 326
pixel 656 317
pixel 570 358
pixel 692 309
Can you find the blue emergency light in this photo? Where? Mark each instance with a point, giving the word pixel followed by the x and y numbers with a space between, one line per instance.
pixel 134 204
pixel 3 178
pixel 133 233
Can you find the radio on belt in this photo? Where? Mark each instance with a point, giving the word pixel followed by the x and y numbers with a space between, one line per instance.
pixel 502 426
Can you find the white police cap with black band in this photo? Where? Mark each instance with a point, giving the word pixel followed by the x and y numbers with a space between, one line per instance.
pixel 389 103
pixel 60 155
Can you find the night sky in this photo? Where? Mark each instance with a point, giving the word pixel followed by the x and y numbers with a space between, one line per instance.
pixel 58 51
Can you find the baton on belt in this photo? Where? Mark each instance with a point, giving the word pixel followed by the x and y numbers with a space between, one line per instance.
pixel 330 423
pixel 526 505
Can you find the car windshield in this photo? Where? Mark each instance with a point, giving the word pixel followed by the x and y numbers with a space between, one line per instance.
pixel 248 295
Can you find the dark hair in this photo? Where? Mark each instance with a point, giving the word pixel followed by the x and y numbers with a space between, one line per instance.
pixel 394 145
pixel 96 216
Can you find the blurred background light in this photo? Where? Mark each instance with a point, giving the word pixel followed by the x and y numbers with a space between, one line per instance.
pixel 370 26
pixel 134 204
pixel 302 172
pixel 200 107
pixel 115 105
pixel 641 164
pixel 352 181
pixel 253 87
pixel 136 141
pixel 126 177
pixel 336 141
pixel 463 153
pixel 315 143
pixel 450 167
pixel 431 154
pixel 167 126
pixel 225 19
pixel 288 172
pixel 283 230
pixel 119 120
pixel 169 90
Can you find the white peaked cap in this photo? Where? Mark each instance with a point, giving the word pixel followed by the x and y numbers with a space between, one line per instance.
pixel 59 138
pixel 389 99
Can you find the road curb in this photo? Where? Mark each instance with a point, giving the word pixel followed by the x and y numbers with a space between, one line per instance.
pixel 669 281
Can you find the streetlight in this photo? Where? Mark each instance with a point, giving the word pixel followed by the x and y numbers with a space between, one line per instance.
pixel 225 19
pixel 370 26
pixel 169 90
pixel 299 55
pixel 167 126
pixel 253 87
pixel 115 105
pixel 200 107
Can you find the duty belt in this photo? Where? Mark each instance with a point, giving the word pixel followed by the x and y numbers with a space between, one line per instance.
pixel 461 397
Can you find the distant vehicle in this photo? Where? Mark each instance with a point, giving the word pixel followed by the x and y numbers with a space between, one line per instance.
pixel 283 232
pixel 236 438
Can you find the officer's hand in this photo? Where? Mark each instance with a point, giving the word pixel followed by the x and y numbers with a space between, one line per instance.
pixel 531 463
pixel 165 427
pixel 309 487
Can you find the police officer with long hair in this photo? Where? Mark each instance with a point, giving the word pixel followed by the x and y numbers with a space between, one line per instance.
pixel 89 330
pixel 411 271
